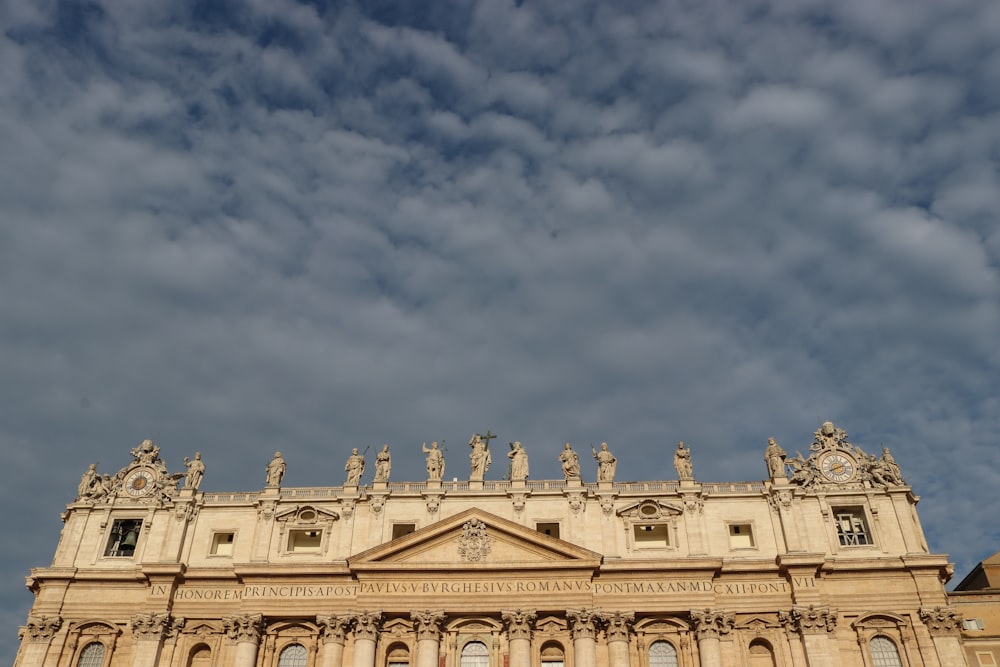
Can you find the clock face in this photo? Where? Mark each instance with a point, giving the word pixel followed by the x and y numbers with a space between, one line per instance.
pixel 837 467
pixel 139 483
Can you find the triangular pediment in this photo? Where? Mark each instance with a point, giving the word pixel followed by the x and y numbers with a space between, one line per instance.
pixel 474 539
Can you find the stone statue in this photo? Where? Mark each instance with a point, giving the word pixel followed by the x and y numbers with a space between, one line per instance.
pixel 891 468
pixel 146 452
pixel 802 473
pixel 479 458
pixel 435 461
pixel 606 463
pixel 383 464
pixel 570 463
pixel 775 457
pixel 276 470
pixel 89 483
pixel 195 471
pixel 354 468
pixel 518 462
pixel 682 462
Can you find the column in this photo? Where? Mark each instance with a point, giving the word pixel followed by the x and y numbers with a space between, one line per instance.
pixel 945 624
pixel 815 624
pixel 366 625
pixel 147 637
pixel 583 628
pixel 37 635
pixel 428 624
pixel 170 632
pixel 519 626
pixel 334 635
pixel 244 631
pixel 617 627
pixel 709 625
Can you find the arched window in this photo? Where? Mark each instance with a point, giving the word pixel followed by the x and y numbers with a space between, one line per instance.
pixel 761 654
pixel 201 656
pixel 293 655
pixel 662 654
pixel 475 654
pixel 553 655
pixel 884 653
pixel 92 655
pixel 399 656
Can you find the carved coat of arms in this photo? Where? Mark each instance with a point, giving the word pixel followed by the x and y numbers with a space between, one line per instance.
pixel 474 543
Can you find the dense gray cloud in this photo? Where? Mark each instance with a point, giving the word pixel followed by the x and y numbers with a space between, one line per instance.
pixel 236 228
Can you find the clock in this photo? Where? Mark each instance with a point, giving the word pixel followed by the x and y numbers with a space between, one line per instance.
pixel 837 467
pixel 139 482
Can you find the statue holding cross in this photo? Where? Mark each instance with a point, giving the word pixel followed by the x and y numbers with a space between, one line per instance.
pixel 480 457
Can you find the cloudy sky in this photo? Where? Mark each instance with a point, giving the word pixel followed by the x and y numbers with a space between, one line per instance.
pixel 236 227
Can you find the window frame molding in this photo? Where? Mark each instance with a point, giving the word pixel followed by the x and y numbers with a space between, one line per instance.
pixel 891 626
pixel 100 631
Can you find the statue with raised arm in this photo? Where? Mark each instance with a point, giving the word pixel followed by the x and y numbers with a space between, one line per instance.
pixel 570 463
pixel 354 468
pixel 435 461
pixel 775 457
pixel 682 462
pixel 479 458
pixel 606 463
pixel 275 470
pixel 195 471
pixel 383 464
pixel 518 462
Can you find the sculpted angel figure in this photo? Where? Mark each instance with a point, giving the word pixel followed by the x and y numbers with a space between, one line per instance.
pixel 435 461
pixel 682 462
pixel 518 462
pixel 570 462
pixel 354 468
pixel 383 464
pixel 606 463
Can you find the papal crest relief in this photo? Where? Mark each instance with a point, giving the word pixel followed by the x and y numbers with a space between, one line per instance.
pixel 474 543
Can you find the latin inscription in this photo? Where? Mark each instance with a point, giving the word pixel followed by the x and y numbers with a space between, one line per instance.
pixel 486 588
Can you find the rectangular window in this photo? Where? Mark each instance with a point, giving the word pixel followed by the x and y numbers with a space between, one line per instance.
pixel 304 541
pixel 550 529
pixel 852 528
pixel 973 624
pixel 651 535
pixel 222 544
pixel 124 536
pixel 401 529
pixel 741 536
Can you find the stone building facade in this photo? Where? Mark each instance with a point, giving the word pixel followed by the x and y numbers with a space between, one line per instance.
pixel 823 564
pixel 977 600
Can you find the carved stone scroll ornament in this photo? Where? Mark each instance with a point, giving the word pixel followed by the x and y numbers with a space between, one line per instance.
pixel 809 620
pixel 174 627
pixel 245 628
pixel 149 626
pixel 334 628
pixel 941 620
pixel 618 625
pixel 474 544
pixel 583 622
pixel 41 628
pixel 519 623
pixel 428 623
pixel 712 623
pixel 366 624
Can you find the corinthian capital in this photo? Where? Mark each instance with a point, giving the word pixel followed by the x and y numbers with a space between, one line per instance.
pixel 366 624
pixel 41 628
pixel 245 628
pixel 809 620
pixel 941 620
pixel 519 623
pixel 618 625
pixel 583 622
pixel 149 626
pixel 428 623
pixel 334 628
pixel 712 623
